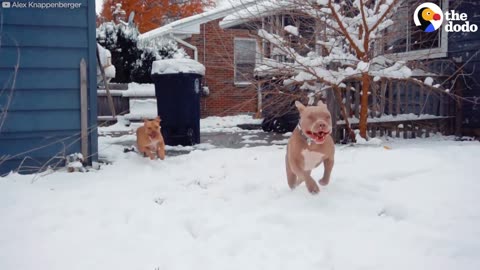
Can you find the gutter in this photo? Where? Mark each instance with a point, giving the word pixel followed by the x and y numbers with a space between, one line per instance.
pixel 186 44
pixel 179 26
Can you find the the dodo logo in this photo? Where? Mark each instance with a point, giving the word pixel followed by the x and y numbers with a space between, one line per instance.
pixel 428 17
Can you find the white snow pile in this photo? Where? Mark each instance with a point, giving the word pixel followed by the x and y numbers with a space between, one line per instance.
pixel 292 30
pixel 362 141
pixel 412 207
pixel 122 125
pixel 134 90
pixel 226 123
pixel 174 66
pixel 106 61
pixel 140 90
pixel 428 81
pixel 142 108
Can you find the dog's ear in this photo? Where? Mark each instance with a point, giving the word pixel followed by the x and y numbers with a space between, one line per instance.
pixel 320 103
pixel 299 106
pixel 158 119
pixel 145 120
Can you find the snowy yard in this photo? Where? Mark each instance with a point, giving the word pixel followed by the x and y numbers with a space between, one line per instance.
pixel 415 206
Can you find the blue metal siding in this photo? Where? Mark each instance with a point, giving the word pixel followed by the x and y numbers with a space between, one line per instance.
pixel 43 117
pixel 466 47
pixel 46 36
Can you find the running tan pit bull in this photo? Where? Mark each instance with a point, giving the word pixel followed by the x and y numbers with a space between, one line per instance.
pixel 150 140
pixel 309 146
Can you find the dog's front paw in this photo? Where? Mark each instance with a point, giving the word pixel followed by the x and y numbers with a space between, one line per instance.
pixel 292 182
pixel 324 181
pixel 312 187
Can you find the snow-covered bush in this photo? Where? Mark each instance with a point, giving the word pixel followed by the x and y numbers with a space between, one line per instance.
pixel 131 58
pixel 158 49
pixel 122 43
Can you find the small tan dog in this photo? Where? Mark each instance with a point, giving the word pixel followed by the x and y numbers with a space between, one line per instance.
pixel 309 146
pixel 150 140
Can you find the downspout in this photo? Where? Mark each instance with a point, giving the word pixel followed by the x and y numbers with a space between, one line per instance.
pixel 186 44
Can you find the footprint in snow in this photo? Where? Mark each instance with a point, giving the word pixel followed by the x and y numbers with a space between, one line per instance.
pixel 159 201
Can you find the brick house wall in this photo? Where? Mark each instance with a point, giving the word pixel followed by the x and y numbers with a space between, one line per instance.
pixel 216 51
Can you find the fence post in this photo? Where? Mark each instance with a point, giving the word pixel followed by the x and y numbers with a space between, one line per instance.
pixel 390 97
pixel 422 100
pixel 348 92
pixel 406 105
pixel 373 91
pixel 84 109
pixel 397 109
pixel 332 106
pixel 383 91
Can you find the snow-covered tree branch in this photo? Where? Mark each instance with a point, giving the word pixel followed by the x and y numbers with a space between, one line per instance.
pixel 345 34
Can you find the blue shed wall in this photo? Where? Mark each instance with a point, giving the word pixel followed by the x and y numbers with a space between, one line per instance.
pixel 42 99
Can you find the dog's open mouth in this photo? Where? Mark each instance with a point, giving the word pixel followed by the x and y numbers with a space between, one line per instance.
pixel 318 137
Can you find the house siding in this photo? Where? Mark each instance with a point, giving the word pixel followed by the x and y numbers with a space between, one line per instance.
pixel 463 48
pixel 43 107
pixel 215 51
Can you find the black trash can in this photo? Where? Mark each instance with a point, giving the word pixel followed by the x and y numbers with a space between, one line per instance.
pixel 178 91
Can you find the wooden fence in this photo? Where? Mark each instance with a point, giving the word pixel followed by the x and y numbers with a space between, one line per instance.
pixel 405 109
pixel 120 103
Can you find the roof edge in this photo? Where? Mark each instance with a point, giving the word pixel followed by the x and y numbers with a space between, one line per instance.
pixel 198 19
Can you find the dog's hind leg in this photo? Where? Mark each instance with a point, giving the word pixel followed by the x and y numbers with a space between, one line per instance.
pixel 146 152
pixel 291 177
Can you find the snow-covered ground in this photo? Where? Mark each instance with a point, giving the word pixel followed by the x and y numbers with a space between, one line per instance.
pixel 143 108
pixel 413 206
pixel 226 123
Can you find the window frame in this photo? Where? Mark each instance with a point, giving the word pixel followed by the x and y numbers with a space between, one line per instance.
pixel 243 82
pixel 439 52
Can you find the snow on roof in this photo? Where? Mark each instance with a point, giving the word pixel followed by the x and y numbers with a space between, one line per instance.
pixel 191 25
pixel 173 66
pixel 260 9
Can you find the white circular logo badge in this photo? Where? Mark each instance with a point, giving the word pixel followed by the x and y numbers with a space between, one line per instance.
pixel 428 17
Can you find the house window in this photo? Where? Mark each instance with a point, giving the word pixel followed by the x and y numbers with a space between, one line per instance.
pixel 404 39
pixel 244 59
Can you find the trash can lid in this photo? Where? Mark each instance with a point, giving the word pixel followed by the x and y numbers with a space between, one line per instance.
pixel 174 66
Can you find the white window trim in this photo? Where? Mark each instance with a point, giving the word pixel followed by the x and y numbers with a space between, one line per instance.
pixel 243 83
pixel 439 52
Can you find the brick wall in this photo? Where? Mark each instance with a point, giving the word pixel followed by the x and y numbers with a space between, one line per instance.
pixel 215 51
